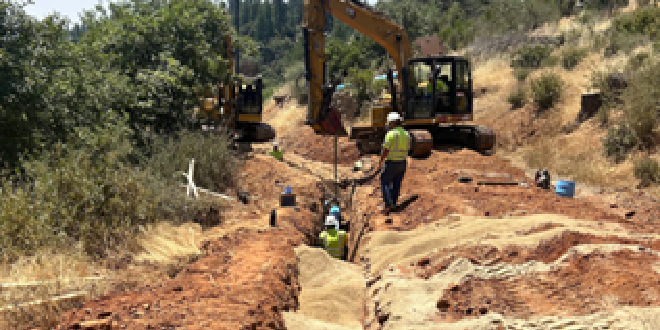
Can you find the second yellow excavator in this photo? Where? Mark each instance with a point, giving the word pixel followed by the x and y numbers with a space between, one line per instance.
pixel 238 105
pixel 430 115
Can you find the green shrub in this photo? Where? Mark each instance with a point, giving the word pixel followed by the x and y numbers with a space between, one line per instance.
pixel 647 171
pixel 641 103
pixel 571 57
pixel 530 56
pixel 214 163
pixel 87 194
pixel 521 74
pixel 618 142
pixel 641 21
pixel 517 98
pixel 609 82
pixel 546 90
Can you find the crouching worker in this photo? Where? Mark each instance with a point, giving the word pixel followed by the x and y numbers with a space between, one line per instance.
pixel 333 240
pixel 276 152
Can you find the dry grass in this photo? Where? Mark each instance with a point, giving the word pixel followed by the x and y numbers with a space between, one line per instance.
pixel 577 155
pixel 290 117
pixel 161 250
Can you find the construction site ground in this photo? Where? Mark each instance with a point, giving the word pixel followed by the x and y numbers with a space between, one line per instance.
pixel 457 256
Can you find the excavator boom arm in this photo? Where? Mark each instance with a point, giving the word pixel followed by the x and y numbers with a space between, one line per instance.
pixel 382 30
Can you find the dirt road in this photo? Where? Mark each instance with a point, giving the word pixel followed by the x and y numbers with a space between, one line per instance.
pixel 457 256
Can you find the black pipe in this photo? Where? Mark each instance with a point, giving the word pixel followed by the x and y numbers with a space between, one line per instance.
pixel 273 218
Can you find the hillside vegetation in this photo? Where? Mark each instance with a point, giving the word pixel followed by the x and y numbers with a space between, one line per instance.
pixel 96 129
pixel 538 87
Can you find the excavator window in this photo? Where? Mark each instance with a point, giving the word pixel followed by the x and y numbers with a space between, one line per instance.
pixel 463 83
pixel 420 103
pixel 452 81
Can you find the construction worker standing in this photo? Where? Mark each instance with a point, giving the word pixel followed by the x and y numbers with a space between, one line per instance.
pixel 276 152
pixel 333 240
pixel 393 161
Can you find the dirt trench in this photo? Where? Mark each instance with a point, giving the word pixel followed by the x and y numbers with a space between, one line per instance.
pixel 456 256
pixel 249 276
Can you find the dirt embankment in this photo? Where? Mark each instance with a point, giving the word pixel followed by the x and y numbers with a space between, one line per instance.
pixel 519 257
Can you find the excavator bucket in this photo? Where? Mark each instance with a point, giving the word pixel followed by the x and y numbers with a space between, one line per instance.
pixel 332 123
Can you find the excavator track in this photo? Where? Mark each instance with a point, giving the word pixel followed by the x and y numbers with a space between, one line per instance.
pixel 478 138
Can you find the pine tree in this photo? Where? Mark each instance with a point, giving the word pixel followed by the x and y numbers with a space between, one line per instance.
pixel 279 15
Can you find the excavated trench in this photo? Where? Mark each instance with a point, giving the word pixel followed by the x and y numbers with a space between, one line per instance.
pixel 424 268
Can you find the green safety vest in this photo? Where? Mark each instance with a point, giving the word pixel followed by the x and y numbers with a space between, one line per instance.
pixel 330 240
pixel 277 154
pixel 397 141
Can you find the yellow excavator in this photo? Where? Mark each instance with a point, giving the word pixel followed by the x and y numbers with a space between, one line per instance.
pixel 239 105
pixel 429 117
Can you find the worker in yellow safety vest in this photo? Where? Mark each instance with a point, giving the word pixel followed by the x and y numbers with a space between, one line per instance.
pixel 393 161
pixel 333 240
pixel 276 152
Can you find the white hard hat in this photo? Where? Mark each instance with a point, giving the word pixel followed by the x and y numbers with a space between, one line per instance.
pixel 274 143
pixel 392 116
pixel 330 220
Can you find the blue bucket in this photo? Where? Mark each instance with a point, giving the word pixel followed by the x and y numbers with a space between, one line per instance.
pixel 565 188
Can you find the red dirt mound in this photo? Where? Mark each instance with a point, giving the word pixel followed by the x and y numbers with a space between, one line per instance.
pixel 320 148
pixel 244 281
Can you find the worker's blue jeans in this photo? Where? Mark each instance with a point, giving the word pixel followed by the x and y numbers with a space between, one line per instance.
pixel 390 181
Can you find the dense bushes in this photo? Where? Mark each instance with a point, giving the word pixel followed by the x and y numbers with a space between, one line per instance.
pixel 51 85
pixel 618 142
pixel 214 163
pixel 531 56
pixel 80 120
pixel 636 96
pixel 86 192
pixel 645 20
pixel 641 103
pixel 609 82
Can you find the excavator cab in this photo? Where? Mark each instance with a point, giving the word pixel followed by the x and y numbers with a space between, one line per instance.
pixel 243 109
pixel 250 102
pixel 442 87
